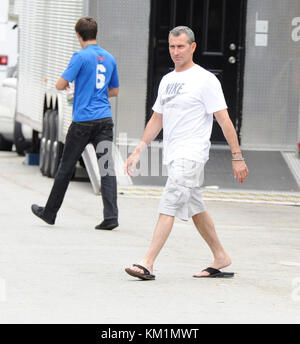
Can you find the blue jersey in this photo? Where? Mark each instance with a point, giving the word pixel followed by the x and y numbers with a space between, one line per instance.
pixel 94 71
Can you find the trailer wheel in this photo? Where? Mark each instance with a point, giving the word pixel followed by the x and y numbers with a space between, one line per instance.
pixel 44 140
pixel 4 144
pixel 57 147
pixel 49 143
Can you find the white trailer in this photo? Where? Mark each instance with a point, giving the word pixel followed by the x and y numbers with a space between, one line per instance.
pixel 8 41
pixel 10 132
pixel 47 42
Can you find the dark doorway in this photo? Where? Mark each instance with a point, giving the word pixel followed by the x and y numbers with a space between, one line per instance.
pixel 219 27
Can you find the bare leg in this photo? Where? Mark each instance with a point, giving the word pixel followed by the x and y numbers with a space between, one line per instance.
pixel 162 230
pixel 206 228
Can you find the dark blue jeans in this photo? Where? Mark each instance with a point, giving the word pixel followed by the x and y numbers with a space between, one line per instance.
pixel 79 135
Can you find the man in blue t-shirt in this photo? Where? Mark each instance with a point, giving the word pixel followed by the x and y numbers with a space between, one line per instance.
pixel 94 71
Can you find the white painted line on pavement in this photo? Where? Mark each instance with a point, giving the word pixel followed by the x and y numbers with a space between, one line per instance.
pixel 289 263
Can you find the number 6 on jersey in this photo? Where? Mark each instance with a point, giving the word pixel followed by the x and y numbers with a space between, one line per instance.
pixel 100 76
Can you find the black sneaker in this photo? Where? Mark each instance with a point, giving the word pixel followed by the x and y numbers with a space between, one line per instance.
pixel 108 224
pixel 40 212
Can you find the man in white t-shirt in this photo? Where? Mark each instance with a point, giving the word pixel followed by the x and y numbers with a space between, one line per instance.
pixel 188 97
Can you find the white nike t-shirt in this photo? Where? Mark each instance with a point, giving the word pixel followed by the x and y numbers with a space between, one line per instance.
pixel 187 101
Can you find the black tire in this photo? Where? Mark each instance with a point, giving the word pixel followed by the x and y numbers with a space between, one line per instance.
pixel 44 139
pixel 5 145
pixel 56 147
pixel 21 144
pixel 49 144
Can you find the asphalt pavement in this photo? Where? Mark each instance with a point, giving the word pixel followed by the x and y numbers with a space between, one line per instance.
pixel 71 273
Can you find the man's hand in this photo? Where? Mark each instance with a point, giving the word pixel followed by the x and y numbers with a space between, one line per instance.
pixel 240 170
pixel 113 92
pixel 131 163
pixel 152 129
pixel 134 158
pixel 239 167
pixel 62 84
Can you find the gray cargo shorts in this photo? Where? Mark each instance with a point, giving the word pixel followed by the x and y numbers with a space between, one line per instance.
pixel 182 194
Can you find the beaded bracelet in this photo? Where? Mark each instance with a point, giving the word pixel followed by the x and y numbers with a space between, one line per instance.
pixel 238 159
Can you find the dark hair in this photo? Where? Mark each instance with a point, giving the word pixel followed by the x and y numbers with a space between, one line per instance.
pixel 87 28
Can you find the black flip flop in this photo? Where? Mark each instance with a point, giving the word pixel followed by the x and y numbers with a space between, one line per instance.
pixel 145 276
pixel 215 273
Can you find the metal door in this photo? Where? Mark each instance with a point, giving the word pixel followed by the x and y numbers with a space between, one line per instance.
pixel 219 31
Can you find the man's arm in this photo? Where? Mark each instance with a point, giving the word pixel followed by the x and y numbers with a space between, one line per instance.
pixel 239 167
pixel 62 84
pixel 113 92
pixel 152 129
